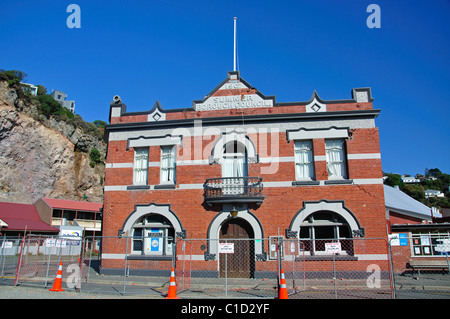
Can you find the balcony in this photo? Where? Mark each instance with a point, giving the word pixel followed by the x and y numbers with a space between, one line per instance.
pixel 234 190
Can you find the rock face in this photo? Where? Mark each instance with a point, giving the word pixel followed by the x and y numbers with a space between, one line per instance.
pixel 39 160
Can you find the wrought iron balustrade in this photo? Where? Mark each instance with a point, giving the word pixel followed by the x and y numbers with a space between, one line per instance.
pixel 234 190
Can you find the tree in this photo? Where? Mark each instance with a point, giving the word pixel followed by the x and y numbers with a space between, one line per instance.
pixel 416 191
pixel 42 90
pixel 393 180
pixel 434 172
pixel 95 157
pixel 15 77
pixel 100 123
pixel 48 105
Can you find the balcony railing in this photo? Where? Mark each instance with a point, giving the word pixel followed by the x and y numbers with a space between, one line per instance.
pixel 234 190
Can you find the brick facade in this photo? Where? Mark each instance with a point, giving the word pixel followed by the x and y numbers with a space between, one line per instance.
pixel 267 131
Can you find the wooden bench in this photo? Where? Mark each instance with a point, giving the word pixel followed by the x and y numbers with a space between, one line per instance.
pixel 428 265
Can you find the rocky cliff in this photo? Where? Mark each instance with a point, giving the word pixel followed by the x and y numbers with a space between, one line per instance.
pixel 42 156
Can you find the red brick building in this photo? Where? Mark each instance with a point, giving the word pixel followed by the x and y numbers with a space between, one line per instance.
pixel 239 164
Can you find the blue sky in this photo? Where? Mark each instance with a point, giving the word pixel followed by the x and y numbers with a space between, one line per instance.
pixel 177 51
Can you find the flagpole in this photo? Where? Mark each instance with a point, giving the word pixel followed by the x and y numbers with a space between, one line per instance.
pixel 234 48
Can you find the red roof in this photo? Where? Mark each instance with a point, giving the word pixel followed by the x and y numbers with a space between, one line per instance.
pixel 73 205
pixel 21 216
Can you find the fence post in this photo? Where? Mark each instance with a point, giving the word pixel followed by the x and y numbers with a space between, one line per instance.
pixel 125 265
pixel 226 272
pixel 3 259
pixel 19 262
pixel 334 274
pixel 391 272
pixel 279 249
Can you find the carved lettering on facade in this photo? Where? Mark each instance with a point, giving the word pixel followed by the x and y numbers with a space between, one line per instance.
pixel 233 102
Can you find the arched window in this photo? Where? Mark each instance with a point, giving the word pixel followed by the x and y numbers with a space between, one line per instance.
pixel 234 162
pixel 323 227
pixel 153 235
pixel 153 228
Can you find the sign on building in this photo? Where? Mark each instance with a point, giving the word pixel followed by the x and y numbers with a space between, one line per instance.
pixel 226 248
pixel 333 248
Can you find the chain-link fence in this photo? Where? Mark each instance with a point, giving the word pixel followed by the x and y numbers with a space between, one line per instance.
pixel 10 252
pixel 127 265
pixel 356 268
pixel 39 257
pixel 226 268
pixel 421 265
pixel 405 267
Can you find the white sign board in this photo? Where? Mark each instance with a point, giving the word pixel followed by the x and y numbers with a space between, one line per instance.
pixel 333 248
pixel 226 248
pixel 51 242
pixel 7 244
pixel 444 246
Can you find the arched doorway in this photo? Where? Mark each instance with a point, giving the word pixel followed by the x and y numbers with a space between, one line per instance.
pixel 240 263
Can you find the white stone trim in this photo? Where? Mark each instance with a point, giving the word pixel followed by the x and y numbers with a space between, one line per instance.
pixel 312 207
pixel 360 156
pixel 113 256
pixel 372 257
pixel 362 181
pixel 263 160
pixel 142 210
pixel 114 188
pixel 154 141
pixel 320 158
pixel 241 137
pixel 210 130
pixel 316 107
pixel 309 134
pixel 119 165
pixel 368 181
pixel 216 224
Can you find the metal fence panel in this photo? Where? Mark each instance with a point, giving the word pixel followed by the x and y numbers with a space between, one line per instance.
pixel 9 256
pixel 356 268
pixel 421 265
pixel 40 256
pixel 406 267
pixel 117 267
pixel 226 268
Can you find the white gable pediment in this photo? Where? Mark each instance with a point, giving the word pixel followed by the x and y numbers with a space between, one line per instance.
pixel 233 93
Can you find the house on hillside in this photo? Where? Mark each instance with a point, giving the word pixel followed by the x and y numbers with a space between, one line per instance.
pixel 31 88
pixel 410 180
pixel 433 193
pixel 60 97
pixel 239 164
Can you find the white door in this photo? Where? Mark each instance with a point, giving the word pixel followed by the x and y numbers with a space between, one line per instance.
pixel 234 166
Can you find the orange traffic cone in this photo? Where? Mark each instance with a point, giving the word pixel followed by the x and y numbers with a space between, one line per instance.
pixel 58 280
pixel 282 293
pixel 172 286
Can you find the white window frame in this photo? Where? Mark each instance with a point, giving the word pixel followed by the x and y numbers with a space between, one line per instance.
pixel 424 243
pixel 329 149
pixel 311 224
pixel 304 147
pixel 166 241
pixel 140 154
pixel 171 158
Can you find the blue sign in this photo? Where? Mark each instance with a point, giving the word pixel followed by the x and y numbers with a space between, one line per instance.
pixel 155 241
pixel 403 238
